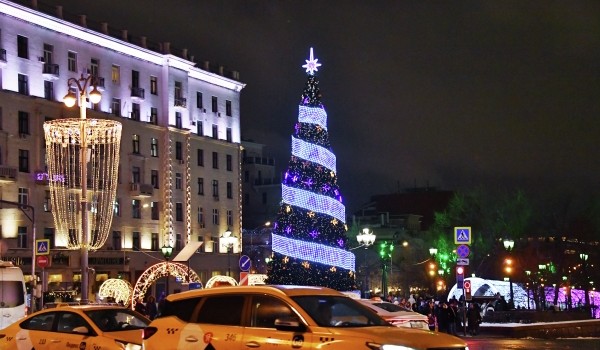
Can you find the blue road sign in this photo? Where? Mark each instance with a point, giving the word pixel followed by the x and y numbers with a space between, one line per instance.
pixel 245 263
pixel 462 235
pixel 42 246
pixel 463 251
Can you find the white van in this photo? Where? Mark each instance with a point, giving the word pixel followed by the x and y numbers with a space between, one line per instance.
pixel 12 294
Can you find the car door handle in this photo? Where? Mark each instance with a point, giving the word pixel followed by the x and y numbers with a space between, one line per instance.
pixel 24 338
pixel 253 344
pixel 55 340
pixel 191 339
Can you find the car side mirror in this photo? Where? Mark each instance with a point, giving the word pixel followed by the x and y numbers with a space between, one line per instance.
pixel 289 323
pixel 81 330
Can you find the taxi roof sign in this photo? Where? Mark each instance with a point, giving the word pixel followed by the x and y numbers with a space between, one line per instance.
pixel 462 235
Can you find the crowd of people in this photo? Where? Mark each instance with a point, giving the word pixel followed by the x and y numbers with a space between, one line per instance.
pixel 150 307
pixel 444 316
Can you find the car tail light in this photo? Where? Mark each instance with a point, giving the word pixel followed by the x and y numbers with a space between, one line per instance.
pixel 148 332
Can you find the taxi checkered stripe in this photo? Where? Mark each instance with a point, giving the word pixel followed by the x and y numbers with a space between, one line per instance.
pixel 172 330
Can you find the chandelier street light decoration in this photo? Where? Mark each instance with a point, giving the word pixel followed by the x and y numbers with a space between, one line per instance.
pixel 167 250
pixel 83 160
pixel 366 239
pixel 509 244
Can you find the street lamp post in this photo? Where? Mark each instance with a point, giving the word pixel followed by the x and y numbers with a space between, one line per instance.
pixel 228 240
pixel 69 100
pixel 509 244
pixel 167 250
pixel 584 257
pixel 366 239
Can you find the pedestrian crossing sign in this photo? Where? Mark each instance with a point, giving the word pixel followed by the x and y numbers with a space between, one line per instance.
pixel 462 235
pixel 42 247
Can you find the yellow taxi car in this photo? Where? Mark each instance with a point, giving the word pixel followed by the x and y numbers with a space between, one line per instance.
pixel 91 327
pixel 280 317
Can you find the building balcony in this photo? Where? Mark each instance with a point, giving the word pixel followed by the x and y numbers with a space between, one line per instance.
pixel 137 93
pixel 50 71
pixel 180 102
pixel 8 174
pixel 141 190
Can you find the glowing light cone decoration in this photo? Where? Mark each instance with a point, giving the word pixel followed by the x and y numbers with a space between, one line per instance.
pixel 309 236
pixel 66 170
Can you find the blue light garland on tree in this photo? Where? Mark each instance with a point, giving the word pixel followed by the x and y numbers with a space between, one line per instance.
pixel 309 235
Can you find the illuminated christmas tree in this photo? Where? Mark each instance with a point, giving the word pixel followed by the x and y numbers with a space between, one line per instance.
pixel 309 235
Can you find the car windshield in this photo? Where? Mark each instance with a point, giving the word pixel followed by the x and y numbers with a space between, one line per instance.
pixel 337 311
pixel 116 319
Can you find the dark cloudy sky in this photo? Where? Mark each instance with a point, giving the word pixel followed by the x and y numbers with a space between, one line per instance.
pixel 445 93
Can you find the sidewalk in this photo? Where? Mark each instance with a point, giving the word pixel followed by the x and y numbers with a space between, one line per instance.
pixel 546 330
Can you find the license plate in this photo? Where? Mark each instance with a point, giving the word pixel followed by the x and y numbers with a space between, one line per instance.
pixel 416 325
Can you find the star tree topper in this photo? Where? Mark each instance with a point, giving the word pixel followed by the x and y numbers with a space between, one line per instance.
pixel 311 65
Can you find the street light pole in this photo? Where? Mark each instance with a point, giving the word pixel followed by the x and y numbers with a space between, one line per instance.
pixel 584 257
pixel 228 240
pixel 509 244
pixel 167 250
pixel 366 239
pixel 82 84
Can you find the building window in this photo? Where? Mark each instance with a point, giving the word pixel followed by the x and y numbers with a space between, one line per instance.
pixel 264 198
pixel 199 102
pixel 154 241
pixel 178 121
pixel 116 74
pixel 135 139
pixel 94 67
pixel 246 199
pixel 215 107
pixel 201 217
pixel 154 210
pixel 49 235
pixel 154 178
pixel 229 190
pixel 23 160
pixel 49 90
pixel 136 209
pixel 23 123
pixel 135 244
pixel 200 157
pixel 116 107
pixel 201 186
pixel 229 161
pixel 215 216
pixel 178 151
pixel 178 181
pixel 228 135
pixel 153 85
pixel 215 160
pixel 178 90
pixel 199 128
pixel 215 188
pixel 23 196
pixel 23 84
pixel 116 240
pixel 22 237
pixel 246 176
pixel 135 175
pixel 154 147
pixel 117 207
pixel 228 108
pixel 22 46
pixel 178 211
pixel 72 61
pixel 153 115
pixel 178 244
pixel 215 133
pixel 47 202
pixel 229 217
pixel 135 111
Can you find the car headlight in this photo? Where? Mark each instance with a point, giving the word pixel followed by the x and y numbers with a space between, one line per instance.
pixel 376 346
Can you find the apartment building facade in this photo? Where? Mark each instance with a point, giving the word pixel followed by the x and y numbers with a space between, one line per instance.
pixel 180 158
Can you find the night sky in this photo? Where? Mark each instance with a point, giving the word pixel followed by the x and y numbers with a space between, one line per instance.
pixel 449 94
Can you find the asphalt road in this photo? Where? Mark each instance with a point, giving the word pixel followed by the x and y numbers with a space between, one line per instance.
pixel 481 343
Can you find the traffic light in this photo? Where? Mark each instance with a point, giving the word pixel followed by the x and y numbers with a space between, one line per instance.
pixel 460 276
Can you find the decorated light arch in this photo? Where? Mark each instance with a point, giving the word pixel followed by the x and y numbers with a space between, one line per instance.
pixel 118 289
pixel 156 271
pixel 220 280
